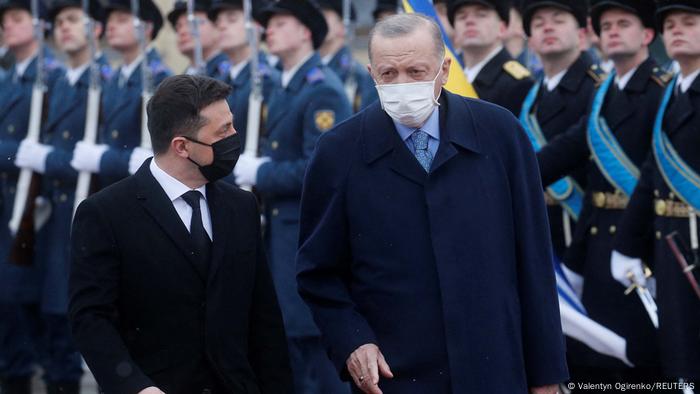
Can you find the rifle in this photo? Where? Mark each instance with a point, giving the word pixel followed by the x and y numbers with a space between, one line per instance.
pixel 351 80
pixel 255 98
pixel 146 77
pixel 93 104
pixel 194 32
pixel 28 184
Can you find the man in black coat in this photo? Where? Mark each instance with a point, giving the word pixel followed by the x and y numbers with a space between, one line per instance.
pixel 170 289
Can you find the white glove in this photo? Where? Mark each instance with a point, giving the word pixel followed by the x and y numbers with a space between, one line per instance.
pixel 138 156
pixel 32 155
pixel 246 170
pixel 575 280
pixel 86 156
pixel 621 265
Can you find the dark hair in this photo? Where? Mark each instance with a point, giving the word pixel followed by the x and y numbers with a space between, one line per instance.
pixel 175 106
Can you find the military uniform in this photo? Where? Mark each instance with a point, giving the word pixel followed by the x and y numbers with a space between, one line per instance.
pixel 558 110
pixel 629 113
pixel 312 102
pixel 19 285
pixel 655 211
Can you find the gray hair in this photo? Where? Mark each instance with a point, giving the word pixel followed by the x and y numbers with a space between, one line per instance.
pixel 400 25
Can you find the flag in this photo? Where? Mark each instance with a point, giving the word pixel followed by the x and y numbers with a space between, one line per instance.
pixel 457 81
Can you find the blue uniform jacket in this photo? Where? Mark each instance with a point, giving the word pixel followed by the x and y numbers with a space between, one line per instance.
pixel 343 65
pixel 120 125
pixel 311 104
pixel 450 273
pixel 64 127
pixel 17 284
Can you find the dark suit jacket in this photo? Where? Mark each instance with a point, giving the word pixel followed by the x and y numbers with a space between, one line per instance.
pixel 143 313
pixel 450 273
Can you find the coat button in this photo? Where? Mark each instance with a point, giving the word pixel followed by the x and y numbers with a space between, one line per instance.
pixel 275 145
pixel 613 229
pixel 594 230
pixel 275 212
pixel 656 193
pixel 66 134
pixel 3 175
pixel 115 134
pixel 63 197
pixel 11 129
pixel 658 235
pixel 56 183
pixel 671 196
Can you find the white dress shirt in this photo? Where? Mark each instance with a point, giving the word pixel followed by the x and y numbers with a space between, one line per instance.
pixel 175 189
pixel 684 83
pixel 552 83
pixel 623 80
pixel 287 75
pixel 472 72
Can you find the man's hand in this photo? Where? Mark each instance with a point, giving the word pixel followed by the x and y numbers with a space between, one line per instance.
pixel 552 389
pixel 151 390
pixel 365 365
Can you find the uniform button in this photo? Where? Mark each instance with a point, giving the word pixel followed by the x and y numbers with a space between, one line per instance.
pixel 63 197
pixel 3 175
pixel 656 193
pixel 594 230
pixel 11 129
pixel 56 183
pixel 66 134
pixel 275 212
pixel 671 196
pixel 275 144
pixel 613 229
pixel 658 235
pixel 115 134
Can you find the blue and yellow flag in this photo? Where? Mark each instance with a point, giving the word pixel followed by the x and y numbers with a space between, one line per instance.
pixel 457 82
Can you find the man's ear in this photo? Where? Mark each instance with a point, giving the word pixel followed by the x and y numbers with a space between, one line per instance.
pixel 446 70
pixel 179 146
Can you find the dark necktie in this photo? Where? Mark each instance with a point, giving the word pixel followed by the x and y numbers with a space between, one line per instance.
pixel 200 238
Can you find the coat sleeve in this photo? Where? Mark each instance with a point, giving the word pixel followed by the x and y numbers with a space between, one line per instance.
pixel 8 154
pixel 58 164
pixel 267 351
pixel 324 260
pixel 543 342
pixel 326 108
pixel 93 311
pixel 564 153
pixel 635 232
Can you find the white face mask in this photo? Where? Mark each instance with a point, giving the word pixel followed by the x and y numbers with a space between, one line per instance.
pixel 409 103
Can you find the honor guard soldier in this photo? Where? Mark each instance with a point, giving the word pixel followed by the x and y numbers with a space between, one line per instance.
pixel 229 18
pixel 121 106
pixel 64 126
pixel 616 137
pixel 20 286
pixel 480 27
pixel 385 8
pixel 336 54
pixel 214 61
pixel 662 213
pixel 309 101
pixel 556 30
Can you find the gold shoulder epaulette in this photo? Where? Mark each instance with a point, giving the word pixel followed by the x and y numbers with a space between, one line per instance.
pixel 660 76
pixel 597 74
pixel 516 70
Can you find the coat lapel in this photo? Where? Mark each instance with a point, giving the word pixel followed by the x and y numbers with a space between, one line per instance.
pixel 220 211
pixel 455 133
pixel 158 205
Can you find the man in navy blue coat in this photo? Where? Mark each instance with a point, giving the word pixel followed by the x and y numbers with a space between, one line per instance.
pixel 424 245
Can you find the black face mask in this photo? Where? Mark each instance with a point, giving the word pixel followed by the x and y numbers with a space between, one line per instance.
pixel 226 153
